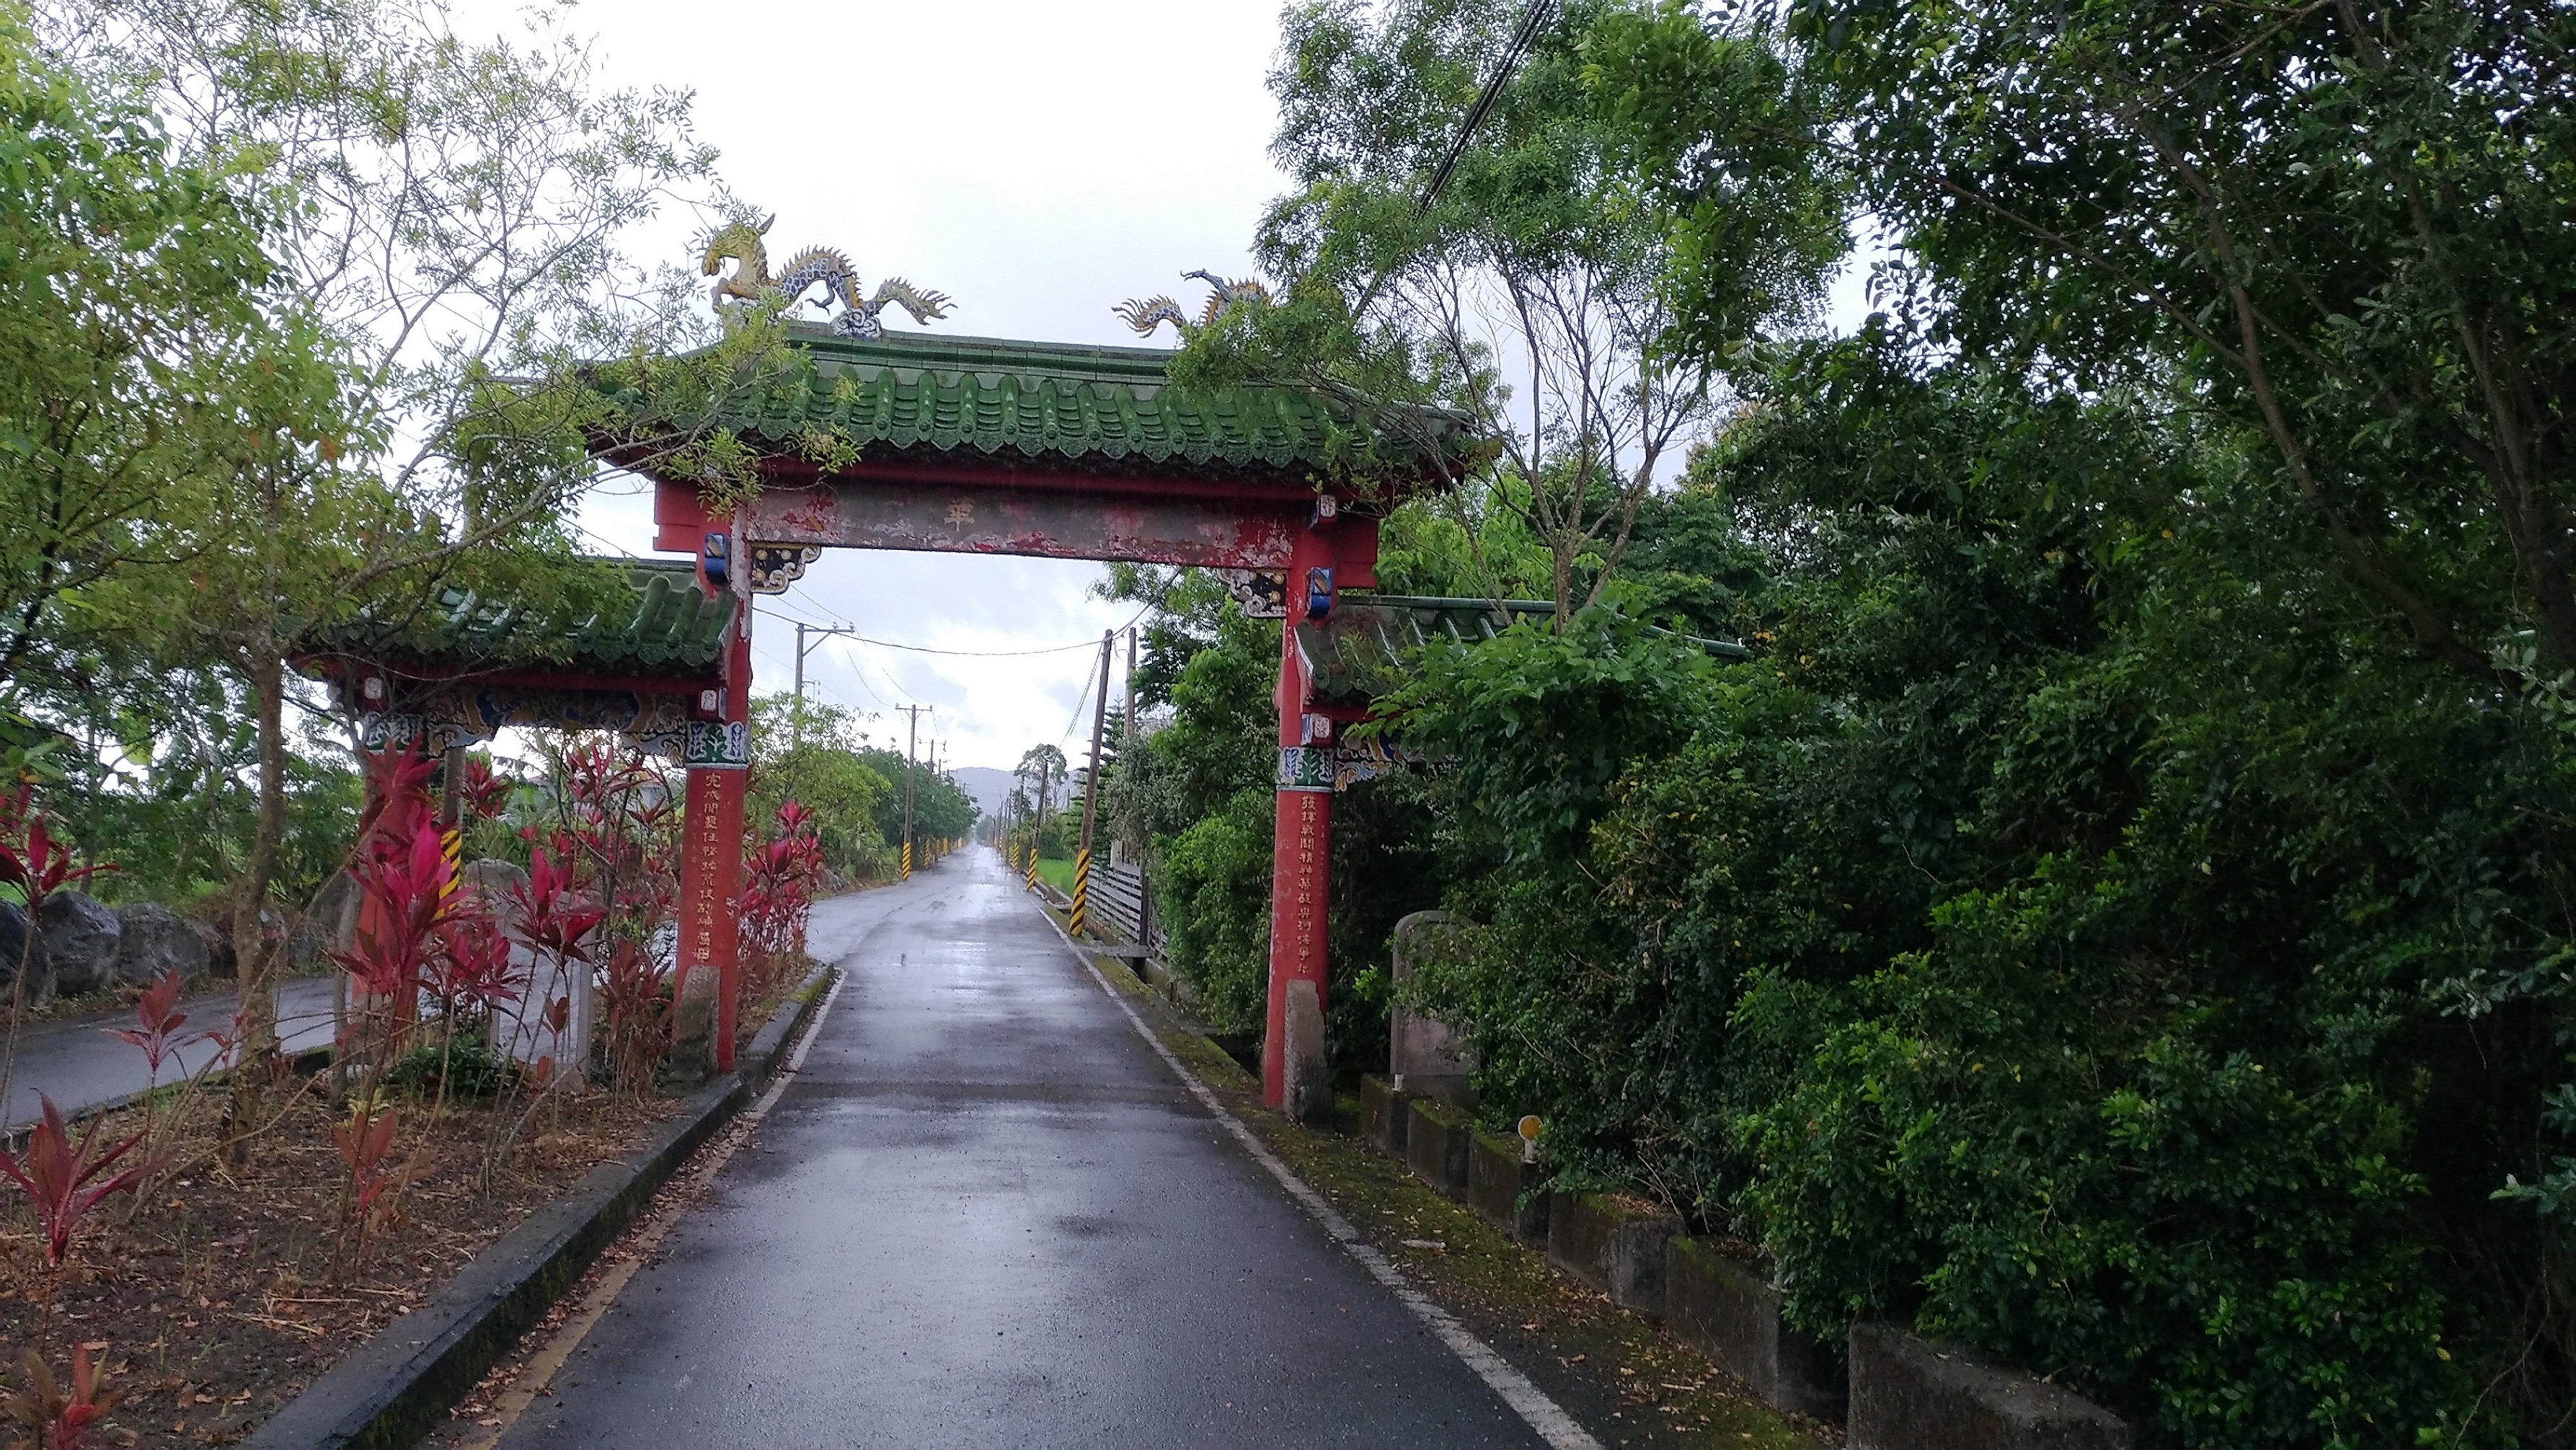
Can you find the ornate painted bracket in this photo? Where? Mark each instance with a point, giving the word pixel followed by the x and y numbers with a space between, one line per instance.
pixel 775 566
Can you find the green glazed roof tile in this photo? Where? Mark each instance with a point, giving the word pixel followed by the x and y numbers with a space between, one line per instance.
pixel 648 615
pixel 1102 405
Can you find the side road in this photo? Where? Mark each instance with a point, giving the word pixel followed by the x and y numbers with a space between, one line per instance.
pixel 75 1062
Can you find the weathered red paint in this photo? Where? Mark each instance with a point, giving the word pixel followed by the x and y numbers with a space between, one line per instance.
pixel 1301 843
pixel 954 518
pixel 710 922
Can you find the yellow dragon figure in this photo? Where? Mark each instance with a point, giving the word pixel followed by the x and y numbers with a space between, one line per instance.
pixel 1147 313
pixel 750 278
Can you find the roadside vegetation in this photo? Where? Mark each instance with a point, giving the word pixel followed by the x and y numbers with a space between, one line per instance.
pixel 2120 916
pixel 308 314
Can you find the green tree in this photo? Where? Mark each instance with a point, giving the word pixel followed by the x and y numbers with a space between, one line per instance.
pixel 810 752
pixel 1527 295
pixel 130 282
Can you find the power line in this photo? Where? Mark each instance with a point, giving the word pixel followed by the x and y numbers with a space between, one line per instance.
pixel 1519 44
pixel 844 629
pixel 1531 20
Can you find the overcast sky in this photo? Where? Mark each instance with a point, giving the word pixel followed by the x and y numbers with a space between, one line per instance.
pixel 1038 162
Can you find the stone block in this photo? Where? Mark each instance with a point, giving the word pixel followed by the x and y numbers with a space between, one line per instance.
pixel 78 935
pixel 495 883
pixel 692 1059
pixel 1435 1145
pixel 16 952
pixel 1728 1309
pixel 1613 1243
pixel 1910 1393
pixel 1307 1085
pixel 153 941
pixel 1506 1191
pixel 1384 1113
pixel 1424 1057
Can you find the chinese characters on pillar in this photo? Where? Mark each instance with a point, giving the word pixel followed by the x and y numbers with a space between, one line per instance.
pixel 707 850
pixel 1305 885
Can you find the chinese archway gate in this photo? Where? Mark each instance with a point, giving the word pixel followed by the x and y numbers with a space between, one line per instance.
pixel 969 445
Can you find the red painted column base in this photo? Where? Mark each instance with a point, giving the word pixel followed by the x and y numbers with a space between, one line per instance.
pixel 1301 872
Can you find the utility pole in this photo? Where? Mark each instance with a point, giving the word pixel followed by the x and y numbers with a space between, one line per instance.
pixel 821 632
pixel 911 742
pixel 1037 829
pixel 1091 791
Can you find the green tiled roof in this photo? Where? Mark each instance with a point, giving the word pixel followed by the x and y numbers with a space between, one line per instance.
pixel 628 616
pixel 1099 406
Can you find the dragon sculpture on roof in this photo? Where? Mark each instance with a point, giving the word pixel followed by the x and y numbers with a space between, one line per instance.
pixel 750 278
pixel 1147 313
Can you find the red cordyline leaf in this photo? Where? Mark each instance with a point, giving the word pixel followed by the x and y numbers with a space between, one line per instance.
pixel 158 1021
pixel 399 797
pixel 363 1140
pixel 62 1178
pixel 29 857
pixel 483 792
pixel 63 1420
pixel 472 963
pixel 405 885
pixel 550 916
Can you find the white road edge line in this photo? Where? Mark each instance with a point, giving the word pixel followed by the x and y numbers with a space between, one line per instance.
pixel 1527 1400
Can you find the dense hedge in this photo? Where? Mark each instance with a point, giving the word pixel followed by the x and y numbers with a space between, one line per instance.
pixel 2084 929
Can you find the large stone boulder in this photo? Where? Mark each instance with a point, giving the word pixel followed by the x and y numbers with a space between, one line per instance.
pixel 155 941
pixel 78 935
pixel 493 881
pixel 13 951
pixel 335 911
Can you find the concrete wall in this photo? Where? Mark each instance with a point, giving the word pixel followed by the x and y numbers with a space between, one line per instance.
pixel 1728 1309
pixel 1615 1245
pixel 1910 1393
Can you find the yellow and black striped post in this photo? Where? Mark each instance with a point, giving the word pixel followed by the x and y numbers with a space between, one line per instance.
pixel 1081 890
pixel 1032 882
pixel 907 860
pixel 451 844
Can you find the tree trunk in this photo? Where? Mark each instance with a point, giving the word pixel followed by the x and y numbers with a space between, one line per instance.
pixel 255 1058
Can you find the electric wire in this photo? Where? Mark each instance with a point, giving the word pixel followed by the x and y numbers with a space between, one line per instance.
pixel 1513 49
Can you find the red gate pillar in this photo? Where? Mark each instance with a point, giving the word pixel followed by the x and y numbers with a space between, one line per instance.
pixel 718 759
pixel 1301 841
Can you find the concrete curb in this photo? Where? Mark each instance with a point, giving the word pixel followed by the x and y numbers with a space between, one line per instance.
pixel 396 1387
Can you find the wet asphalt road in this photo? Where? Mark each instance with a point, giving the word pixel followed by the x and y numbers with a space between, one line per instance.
pixel 77 1064
pixel 985 1214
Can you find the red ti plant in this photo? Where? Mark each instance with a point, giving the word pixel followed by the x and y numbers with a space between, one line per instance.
pixel 157 1020
pixel 637 996
pixel 397 797
pixel 471 968
pixel 66 1180
pixel 32 861
pixel 482 792
pixel 552 916
pixel 778 882
pixel 405 888
pixel 59 1421
pixel 365 1139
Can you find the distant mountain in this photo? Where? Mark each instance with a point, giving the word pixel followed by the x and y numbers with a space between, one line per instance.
pixel 988 786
